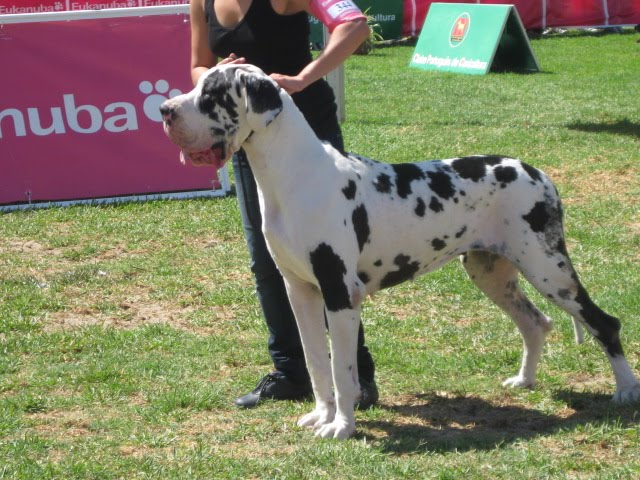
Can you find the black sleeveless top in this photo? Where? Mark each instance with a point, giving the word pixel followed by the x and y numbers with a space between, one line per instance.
pixel 275 43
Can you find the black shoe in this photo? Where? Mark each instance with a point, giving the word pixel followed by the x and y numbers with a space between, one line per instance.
pixel 275 386
pixel 368 395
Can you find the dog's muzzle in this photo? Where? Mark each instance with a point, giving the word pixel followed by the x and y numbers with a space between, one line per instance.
pixel 214 155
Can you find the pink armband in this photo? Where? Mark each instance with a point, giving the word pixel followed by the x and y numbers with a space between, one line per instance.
pixel 334 12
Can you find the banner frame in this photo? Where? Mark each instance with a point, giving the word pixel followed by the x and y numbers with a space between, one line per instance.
pixel 97 14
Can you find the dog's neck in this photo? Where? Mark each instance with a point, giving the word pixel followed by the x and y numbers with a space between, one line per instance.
pixel 286 154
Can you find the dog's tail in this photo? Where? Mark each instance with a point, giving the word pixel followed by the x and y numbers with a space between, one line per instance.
pixel 578 331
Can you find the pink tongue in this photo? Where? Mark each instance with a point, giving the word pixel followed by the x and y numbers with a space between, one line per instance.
pixel 211 157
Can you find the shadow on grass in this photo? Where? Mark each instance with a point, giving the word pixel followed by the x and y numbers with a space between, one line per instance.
pixel 441 424
pixel 621 127
pixel 569 33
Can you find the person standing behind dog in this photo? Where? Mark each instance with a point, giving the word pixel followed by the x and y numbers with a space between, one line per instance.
pixel 274 35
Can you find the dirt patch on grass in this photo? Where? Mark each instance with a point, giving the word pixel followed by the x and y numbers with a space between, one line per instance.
pixel 139 314
pixel 583 186
pixel 61 424
pixel 47 264
pixel 29 247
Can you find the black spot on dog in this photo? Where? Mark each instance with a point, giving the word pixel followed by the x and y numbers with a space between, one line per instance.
pixel 330 270
pixel 562 247
pixel 440 183
pixel 215 92
pixel 561 264
pixel 383 183
pixel 534 173
pixel 405 174
pixel 564 293
pixel 364 276
pixel 263 94
pixel 217 132
pixel 420 207
pixel 406 271
pixel 438 244
pixel 360 220
pixel 505 174
pixel 435 205
pixel 607 328
pixel 378 263
pixel 350 190
pixel 538 217
pixel 470 168
pixel 461 232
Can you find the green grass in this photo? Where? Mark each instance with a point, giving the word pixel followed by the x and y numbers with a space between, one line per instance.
pixel 127 330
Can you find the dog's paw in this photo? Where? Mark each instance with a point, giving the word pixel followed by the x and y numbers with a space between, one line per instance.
pixel 317 418
pixel 339 429
pixel 519 381
pixel 628 395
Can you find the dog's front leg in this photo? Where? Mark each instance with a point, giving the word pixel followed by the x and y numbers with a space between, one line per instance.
pixel 343 333
pixel 308 307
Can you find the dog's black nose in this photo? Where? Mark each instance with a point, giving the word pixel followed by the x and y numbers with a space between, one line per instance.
pixel 167 110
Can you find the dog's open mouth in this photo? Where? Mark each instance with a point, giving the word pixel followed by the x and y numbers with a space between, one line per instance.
pixel 216 156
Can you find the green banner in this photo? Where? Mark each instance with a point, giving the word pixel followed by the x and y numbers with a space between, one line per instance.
pixel 387 14
pixel 473 39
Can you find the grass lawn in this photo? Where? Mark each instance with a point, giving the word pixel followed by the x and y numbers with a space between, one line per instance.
pixel 126 331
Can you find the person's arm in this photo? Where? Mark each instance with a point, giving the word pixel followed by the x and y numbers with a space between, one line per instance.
pixel 345 39
pixel 202 58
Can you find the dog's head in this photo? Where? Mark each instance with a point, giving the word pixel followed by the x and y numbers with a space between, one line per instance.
pixel 213 120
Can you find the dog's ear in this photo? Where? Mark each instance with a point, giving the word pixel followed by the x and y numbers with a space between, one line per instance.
pixel 263 102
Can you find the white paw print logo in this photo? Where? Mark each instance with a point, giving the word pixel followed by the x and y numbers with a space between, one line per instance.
pixel 152 103
pixel 58 6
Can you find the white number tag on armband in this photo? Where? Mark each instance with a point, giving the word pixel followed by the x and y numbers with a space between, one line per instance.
pixel 342 8
pixel 334 12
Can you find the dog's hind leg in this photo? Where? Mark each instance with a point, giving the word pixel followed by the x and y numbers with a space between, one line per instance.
pixel 546 265
pixel 554 276
pixel 497 277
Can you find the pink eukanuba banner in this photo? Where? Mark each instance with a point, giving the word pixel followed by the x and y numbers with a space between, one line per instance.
pixel 79 111
pixel 43 6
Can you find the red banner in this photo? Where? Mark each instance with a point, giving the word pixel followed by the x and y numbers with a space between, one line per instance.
pixel 542 13
pixel 79 108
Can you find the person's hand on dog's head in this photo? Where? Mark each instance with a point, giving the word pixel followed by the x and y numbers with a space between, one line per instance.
pixel 232 59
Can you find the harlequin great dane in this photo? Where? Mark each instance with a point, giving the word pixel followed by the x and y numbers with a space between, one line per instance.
pixel 341 227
